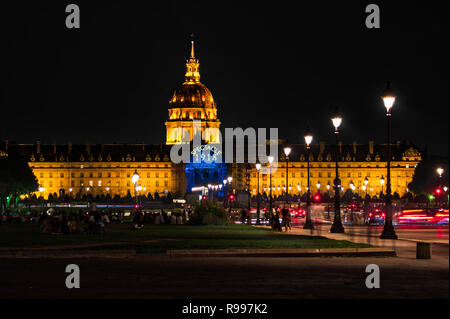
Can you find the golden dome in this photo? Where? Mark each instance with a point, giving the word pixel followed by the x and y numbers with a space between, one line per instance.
pixel 192 92
pixel 192 95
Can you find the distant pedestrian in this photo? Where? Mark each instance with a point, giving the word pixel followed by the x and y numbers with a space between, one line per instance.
pixel 286 218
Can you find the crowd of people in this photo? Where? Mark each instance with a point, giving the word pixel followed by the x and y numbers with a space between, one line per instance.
pixel 273 216
pixel 92 222
pixel 162 217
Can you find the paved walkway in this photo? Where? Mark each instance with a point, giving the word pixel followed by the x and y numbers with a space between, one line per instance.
pixel 405 247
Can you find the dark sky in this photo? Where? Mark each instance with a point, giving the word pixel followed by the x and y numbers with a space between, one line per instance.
pixel 268 64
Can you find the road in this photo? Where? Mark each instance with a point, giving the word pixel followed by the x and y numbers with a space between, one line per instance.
pixel 163 277
pixel 224 278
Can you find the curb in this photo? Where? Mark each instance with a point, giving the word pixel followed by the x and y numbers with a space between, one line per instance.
pixel 322 252
pixel 68 254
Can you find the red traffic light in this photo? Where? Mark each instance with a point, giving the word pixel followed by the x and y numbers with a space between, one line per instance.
pixel 204 197
pixel 136 206
pixel 317 197
pixel 231 197
pixel 438 191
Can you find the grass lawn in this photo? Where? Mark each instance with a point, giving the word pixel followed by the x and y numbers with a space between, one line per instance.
pixel 164 237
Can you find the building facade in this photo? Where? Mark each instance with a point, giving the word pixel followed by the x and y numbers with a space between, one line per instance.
pixel 98 169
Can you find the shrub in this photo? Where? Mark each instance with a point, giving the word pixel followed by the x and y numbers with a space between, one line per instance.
pixel 208 213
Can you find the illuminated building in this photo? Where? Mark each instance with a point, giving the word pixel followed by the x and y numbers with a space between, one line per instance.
pixel 107 168
pixel 356 162
pixel 192 101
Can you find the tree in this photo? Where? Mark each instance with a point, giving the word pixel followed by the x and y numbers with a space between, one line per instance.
pixel 16 178
pixel 425 176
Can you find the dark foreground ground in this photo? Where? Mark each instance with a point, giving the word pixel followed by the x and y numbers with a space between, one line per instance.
pixel 256 278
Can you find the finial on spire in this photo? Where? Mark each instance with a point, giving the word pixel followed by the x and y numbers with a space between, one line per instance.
pixel 192 50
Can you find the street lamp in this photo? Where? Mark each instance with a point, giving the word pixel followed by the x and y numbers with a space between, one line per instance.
pixel 382 182
pixel 388 231
pixel 224 185
pixel 308 222
pixel 352 186
pixel 337 222
pixel 318 186
pixel 134 180
pixel 287 151
pixel 41 190
pixel 440 171
pixel 258 168
pixel 270 159
pixel 229 180
pixel 366 181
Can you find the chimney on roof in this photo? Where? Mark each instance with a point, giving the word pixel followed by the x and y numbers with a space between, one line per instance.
pixel 54 147
pixel 354 147
pixel 88 147
pixel 322 147
pixel 38 146
pixel 370 147
pixel 69 147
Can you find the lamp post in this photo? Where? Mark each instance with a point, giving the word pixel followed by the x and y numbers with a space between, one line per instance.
pixel 42 190
pixel 382 182
pixel 229 179
pixel 440 171
pixel 366 181
pixel 249 171
pixel 308 222
pixel 258 168
pixel 287 151
pixel 388 231
pixel 134 180
pixel 337 222
pixel 270 159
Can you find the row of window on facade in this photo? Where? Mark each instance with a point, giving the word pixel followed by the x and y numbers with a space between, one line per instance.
pixel 320 174
pixel 281 165
pixel 108 184
pixel 83 166
pixel 100 175
pixel 188 115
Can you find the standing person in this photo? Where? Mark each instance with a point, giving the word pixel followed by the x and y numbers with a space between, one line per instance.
pixel 286 218
pixel 243 216
pixel 277 224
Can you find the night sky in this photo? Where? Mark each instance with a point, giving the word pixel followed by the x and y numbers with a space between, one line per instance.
pixel 268 64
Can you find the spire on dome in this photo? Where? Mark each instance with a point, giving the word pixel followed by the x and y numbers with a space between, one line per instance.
pixel 192 67
pixel 192 50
